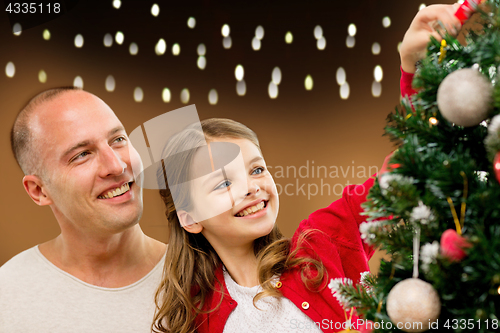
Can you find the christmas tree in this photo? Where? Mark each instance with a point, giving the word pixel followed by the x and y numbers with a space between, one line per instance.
pixel 437 210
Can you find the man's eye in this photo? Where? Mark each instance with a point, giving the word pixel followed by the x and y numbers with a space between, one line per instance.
pixel 258 171
pixel 224 184
pixel 120 139
pixel 81 155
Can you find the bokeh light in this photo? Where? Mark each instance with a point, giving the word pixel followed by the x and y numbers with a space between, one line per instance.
pixel 276 75
pixel 345 90
pixel 213 97
pixel 176 49
pixel 185 95
pixel 166 96
pixel 256 44
pixel 160 47
pixel 289 38
pixel 133 49
pixel 191 22
pixel 350 41
pixel 17 29
pixel 321 43
pixel 273 90
pixel 259 32
pixel 202 50
pixel 108 40
pixel 10 69
pixel 227 42
pixel 376 48
pixel 341 76
pixel 351 30
pixel 155 10
pixel 239 72
pixel 225 30
pixel 308 82
pixel 202 62
pixel 318 32
pixel 376 89
pixel 138 94
pixel 78 82
pixel 378 74
pixel 79 41
pixel 110 83
pixel 386 22
pixel 46 34
pixel 241 88
pixel 119 38
pixel 42 76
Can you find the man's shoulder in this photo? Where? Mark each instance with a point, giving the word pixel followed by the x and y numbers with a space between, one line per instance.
pixel 20 264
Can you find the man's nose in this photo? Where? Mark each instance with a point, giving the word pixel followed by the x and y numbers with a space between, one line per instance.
pixel 112 163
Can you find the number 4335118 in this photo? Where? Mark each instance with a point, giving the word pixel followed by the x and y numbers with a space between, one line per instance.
pixel 33 8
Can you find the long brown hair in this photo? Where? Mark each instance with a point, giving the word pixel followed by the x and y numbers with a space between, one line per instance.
pixel 191 262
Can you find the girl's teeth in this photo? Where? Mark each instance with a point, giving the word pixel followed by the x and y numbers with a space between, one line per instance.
pixel 251 210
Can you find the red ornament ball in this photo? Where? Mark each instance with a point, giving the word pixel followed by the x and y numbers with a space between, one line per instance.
pixel 496 166
pixel 453 245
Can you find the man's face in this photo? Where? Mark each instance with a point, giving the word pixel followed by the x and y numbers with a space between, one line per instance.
pixel 87 160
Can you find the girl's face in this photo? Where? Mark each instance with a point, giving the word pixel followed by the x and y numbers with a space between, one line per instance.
pixel 241 204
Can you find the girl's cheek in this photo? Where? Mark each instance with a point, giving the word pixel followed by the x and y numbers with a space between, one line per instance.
pixel 271 186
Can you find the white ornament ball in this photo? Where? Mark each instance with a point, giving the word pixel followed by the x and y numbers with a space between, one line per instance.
pixel 413 305
pixel 464 97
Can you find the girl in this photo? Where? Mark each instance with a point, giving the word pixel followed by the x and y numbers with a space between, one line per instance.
pixel 223 264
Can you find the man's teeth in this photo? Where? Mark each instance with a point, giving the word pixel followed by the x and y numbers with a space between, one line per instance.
pixel 251 210
pixel 116 192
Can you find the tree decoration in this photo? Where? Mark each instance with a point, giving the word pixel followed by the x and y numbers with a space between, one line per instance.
pixel 428 255
pixel 453 245
pixel 413 304
pixel 465 97
pixel 496 166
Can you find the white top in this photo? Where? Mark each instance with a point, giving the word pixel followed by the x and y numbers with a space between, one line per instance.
pixel 37 296
pixel 276 315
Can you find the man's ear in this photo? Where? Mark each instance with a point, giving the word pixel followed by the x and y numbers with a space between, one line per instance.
pixel 35 189
pixel 188 223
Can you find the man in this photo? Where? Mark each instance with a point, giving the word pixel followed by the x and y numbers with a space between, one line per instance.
pixel 101 273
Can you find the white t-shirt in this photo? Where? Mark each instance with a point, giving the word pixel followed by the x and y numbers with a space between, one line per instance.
pixel 277 315
pixel 37 296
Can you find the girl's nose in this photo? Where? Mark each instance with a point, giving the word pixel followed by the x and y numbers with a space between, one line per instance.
pixel 253 188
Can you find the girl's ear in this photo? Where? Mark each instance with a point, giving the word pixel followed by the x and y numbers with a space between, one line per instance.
pixel 188 223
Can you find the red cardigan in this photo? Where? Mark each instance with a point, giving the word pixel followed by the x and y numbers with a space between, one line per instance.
pixel 339 246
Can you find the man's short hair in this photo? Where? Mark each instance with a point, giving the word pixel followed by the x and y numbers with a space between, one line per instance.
pixel 25 145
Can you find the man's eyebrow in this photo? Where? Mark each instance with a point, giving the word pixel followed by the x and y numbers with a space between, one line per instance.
pixel 116 129
pixel 75 147
pixel 88 142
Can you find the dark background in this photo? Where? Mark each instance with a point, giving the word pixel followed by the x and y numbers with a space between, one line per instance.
pixel 296 128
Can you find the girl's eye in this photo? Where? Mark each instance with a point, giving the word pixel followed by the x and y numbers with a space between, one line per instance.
pixel 224 184
pixel 258 171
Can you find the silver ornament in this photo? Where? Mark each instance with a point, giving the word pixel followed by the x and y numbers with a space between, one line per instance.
pixel 413 305
pixel 464 97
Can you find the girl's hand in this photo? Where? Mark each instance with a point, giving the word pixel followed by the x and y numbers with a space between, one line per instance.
pixel 425 24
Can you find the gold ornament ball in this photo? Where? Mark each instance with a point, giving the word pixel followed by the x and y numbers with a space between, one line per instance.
pixel 414 305
pixel 465 97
